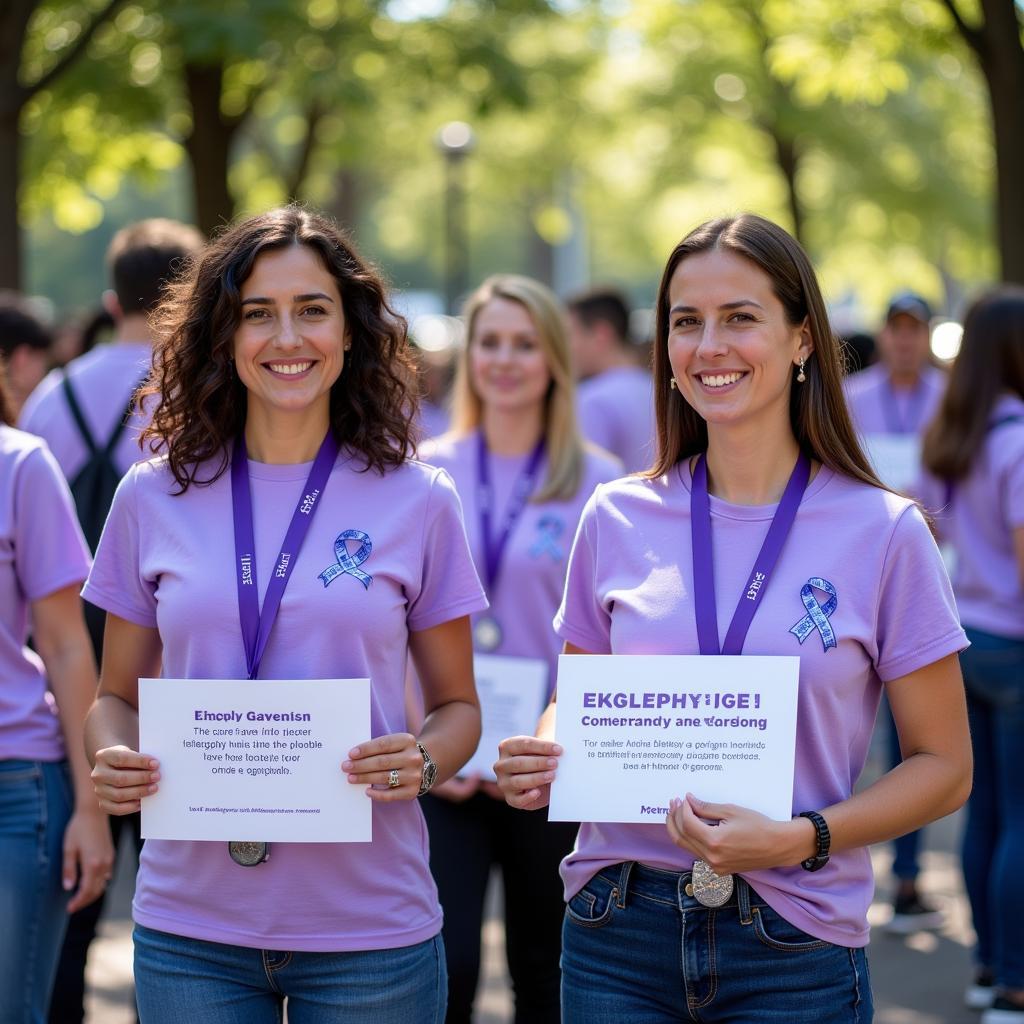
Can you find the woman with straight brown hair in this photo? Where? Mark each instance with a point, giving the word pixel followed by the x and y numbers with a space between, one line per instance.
pixel 974 454
pixel 760 501
pixel 521 469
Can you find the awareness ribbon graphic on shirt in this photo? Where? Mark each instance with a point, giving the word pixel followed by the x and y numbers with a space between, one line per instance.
pixel 348 564
pixel 550 529
pixel 817 614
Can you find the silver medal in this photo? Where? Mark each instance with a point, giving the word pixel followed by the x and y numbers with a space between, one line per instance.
pixel 248 854
pixel 487 634
pixel 709 889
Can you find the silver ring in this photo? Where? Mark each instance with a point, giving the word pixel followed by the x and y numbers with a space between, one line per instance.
pixel 393 781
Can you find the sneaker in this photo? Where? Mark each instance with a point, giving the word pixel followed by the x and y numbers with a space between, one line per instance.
pixel 981 993
pixel 911 914
pixel 1002 1011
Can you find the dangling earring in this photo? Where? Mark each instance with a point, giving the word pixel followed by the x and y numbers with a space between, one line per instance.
pixel 801 376
pixel 672 383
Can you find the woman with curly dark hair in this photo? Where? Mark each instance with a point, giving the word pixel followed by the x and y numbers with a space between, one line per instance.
pixel 281 360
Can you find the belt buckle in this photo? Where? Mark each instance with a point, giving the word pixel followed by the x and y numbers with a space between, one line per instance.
pixel 707 888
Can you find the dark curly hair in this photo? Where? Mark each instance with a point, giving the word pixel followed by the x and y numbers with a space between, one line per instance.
pixel 200 402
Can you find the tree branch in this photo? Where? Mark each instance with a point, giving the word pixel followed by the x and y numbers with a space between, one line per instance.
pixel 71 55
pixel 971 35
pixel 313 117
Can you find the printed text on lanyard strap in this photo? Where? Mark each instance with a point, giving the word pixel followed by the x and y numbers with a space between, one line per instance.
pixel 257 623
pixel 764 564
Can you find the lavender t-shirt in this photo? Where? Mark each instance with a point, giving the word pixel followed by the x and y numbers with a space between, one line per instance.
pixel 532 576
pixel 986 507
pixel 877 408
pixel 41 551
pixel 103 382
pixel 630 591
pixel 616 411
pixel 167 562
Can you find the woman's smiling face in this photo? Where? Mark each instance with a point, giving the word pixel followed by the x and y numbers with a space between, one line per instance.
pixel 731 348
pixel 291 340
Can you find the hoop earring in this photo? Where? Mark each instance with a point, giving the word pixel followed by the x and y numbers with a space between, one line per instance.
pixel 672 384
pixel 801 376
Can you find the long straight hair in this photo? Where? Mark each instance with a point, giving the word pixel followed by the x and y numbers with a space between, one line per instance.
pixel 817 408
pixel 561 430
pixel 990 363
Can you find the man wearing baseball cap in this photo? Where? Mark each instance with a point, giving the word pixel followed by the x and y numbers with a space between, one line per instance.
pixel 892 403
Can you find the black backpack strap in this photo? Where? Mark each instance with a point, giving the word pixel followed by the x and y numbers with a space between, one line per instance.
pixel 119 427
pixel 76 413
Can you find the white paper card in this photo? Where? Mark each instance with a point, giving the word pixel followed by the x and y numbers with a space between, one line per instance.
pixel 896 458
pixel 638 730
pixel 512 695
pixel 255 760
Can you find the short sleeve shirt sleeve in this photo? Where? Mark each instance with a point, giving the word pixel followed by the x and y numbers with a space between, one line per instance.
pixel 917 620
pixel 582 619
pixel 449 587
pixel 50 552
pixel 116 583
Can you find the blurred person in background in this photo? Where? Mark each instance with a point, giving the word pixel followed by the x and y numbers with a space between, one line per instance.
pixel 614 395
pixel 435 368
pixel 81 333
pixel 55 845
pixel 83 413
pixel 974 458
pixel 25 341
pixel 891 403
pixel 523 475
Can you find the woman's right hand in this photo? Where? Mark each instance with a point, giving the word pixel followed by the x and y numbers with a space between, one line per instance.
pixel 122 777
pixel 525 769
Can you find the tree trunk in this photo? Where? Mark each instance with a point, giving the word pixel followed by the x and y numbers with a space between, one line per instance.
pixel 1002 60
pixel 209 146
pixel 14 19
pixel 10 234
pixel 788 157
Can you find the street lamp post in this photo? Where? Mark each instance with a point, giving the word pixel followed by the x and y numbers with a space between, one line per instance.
pixel 455 141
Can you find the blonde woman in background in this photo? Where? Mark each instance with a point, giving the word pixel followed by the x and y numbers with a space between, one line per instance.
pixel 520 467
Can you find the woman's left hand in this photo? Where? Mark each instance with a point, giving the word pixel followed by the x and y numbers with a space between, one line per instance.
pixel 742 840
pixel 88 857
pixel 371 764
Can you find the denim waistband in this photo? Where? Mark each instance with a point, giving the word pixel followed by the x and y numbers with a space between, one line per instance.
pixel 631 878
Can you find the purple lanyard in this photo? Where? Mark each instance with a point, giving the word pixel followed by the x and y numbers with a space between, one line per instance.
pixel 494 547
pixel 256 625
pixel 895 420
pixel 764 564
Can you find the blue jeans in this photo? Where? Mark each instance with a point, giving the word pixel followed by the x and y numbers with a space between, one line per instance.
pixel 180 979
pixel 636 948
pixel 993 843
pixel 35 804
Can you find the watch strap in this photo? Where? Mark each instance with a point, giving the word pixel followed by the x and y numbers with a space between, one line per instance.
pixel 824 838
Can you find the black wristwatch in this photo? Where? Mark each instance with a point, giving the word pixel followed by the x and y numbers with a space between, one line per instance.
pixel 429 771
pixel 820 859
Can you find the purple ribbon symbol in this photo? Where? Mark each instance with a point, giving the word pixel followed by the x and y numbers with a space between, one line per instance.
pixel 348 564
pixel 817 614
pixel 549 529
